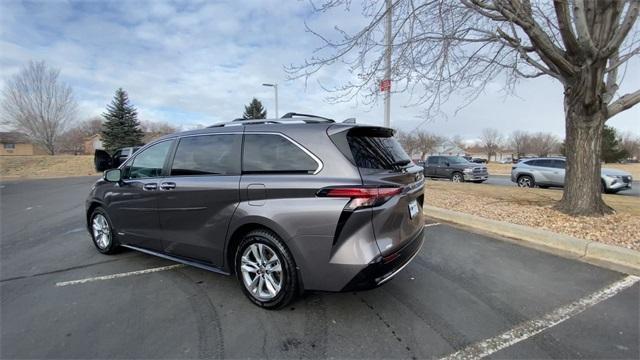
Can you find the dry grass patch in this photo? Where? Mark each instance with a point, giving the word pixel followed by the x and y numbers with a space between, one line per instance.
pixel 533 207
pixel 39 166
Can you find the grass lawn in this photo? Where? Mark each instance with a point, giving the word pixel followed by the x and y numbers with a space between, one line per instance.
pixel 533 207
pixel 42 166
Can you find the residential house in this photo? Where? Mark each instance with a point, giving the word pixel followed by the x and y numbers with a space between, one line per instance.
pixel 14 143
pixel 92 143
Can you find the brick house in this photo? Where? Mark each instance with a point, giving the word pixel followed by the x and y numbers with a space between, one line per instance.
pixel 13 143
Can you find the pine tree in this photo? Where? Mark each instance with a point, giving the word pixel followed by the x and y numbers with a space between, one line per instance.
pixel 611 150
pixel 254 110
pixel 121 128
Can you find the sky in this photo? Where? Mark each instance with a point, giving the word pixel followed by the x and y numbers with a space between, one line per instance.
pixel 195 63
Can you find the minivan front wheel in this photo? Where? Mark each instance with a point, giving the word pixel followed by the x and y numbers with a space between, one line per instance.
pixel 266 270
pixel 102 232
pixel 457 177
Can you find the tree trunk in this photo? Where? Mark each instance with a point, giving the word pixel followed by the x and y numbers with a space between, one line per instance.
pixel 584 123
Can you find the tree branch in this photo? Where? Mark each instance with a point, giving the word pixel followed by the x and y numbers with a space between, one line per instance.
pixel 564 24
pixel 584 37
pixel 617 39
pixel 623 103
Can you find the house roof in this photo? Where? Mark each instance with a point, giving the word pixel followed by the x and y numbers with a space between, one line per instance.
pixel 14 137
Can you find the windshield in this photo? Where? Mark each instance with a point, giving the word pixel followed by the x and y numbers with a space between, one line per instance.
pixel 457 160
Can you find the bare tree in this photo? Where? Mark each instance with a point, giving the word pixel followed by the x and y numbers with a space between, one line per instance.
pixel 630 142
pixel 427 143
pixel 520 141
pixel 458 141
pixel 408 142
pixel 491 140
pixel 72 140
pixel 158 127
pixel 543 144
pixel 37 103
pixel 442 47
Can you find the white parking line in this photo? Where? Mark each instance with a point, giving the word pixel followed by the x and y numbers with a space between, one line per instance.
pixel 120 275
pixel 433 224
pixel 536 326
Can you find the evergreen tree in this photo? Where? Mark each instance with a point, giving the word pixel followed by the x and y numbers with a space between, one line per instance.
pixel 254 110
pixel 611 149
pixel 121 128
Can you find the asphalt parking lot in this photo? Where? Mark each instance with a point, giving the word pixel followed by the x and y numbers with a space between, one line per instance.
pixel 465 295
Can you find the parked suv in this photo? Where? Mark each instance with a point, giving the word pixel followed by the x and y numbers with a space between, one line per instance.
pixel 285 204
pixel 102 159
pixel 456 168
pixel 548 172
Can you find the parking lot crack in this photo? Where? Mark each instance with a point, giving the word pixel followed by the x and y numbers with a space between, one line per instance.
pixel 389 327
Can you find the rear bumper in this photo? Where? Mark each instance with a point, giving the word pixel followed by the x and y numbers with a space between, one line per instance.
pixel 385 268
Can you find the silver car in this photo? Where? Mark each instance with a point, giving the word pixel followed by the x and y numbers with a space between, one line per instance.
pixel 548 172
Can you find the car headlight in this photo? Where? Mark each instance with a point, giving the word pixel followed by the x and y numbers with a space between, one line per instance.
pixel 467 170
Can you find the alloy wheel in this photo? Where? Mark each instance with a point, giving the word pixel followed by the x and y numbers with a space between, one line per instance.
pixel 262 271
pixel 456 178
pixel 524 182
pixel 101 231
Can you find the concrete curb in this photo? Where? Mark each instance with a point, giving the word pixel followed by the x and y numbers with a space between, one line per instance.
pixel 614 257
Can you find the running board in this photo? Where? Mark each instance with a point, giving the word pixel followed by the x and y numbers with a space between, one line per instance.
pixel 178 259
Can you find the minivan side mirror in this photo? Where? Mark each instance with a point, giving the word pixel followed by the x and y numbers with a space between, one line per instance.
pixel 113 175
pixel 448 164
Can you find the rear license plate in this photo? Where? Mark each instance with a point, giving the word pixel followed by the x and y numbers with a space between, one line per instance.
pixel 413 209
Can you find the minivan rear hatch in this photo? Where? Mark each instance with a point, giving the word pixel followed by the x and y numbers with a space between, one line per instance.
pixel 383 164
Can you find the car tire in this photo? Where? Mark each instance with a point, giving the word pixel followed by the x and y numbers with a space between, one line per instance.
pixel 102 233
pixel 526 181
pixel 457 177
pixel 266 270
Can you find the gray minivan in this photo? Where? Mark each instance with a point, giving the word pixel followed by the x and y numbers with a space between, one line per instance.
pixel 286 204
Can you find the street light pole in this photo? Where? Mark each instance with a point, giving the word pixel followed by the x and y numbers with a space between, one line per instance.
pixel 275 87
pixel 387 68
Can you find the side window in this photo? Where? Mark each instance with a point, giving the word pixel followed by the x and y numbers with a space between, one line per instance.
pixel 149 162
pixel 533 162
pixel 432 160
pixel 208 155
pixel 559 164
pixel 274 153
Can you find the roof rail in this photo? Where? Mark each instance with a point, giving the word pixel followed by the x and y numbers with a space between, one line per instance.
pixel 290 115
pixel 270 121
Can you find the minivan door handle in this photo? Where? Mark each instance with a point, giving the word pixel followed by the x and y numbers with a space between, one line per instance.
pixel 150 186
pixel 167 185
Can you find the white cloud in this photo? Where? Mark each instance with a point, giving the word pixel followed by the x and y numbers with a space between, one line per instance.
pixel 198 62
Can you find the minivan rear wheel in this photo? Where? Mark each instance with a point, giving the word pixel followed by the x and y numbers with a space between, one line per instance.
pixel 266 270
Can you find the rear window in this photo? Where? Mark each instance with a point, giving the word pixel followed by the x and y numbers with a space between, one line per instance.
pixel 375 148
pixel 271 153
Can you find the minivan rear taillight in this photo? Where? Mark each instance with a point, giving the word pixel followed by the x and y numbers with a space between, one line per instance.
pixel 361 196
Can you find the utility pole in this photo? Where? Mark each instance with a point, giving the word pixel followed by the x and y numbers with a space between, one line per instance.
pixel 386 82
pixel 275 87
